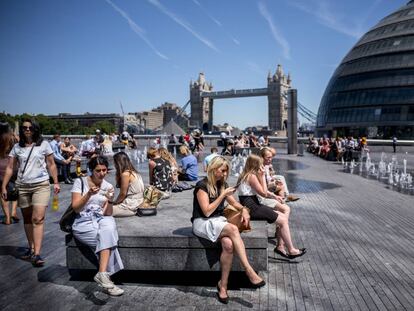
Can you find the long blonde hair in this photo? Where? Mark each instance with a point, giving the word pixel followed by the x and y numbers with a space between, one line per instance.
pixel 214 165
pixel 253 164
pixel 166 155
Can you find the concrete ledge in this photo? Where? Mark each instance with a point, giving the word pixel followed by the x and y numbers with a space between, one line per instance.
pixel 166 242
pixel 174 250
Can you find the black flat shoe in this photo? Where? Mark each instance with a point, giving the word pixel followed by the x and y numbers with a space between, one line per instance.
pixel 224 300
pixel 15 219
pixel 302 252
pixel 281 253
pixel 260 284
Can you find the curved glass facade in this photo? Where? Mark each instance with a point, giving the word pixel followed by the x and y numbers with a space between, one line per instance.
pixel 371 93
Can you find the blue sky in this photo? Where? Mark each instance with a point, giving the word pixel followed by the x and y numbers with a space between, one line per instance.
pixel 87 56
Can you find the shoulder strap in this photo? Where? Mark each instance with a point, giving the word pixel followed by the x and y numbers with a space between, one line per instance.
pixel 81 179
pixel 27 161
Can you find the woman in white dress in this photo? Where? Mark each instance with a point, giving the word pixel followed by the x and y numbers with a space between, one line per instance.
pixel 94 225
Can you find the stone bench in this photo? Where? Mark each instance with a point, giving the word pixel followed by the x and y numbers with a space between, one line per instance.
pixel 166 242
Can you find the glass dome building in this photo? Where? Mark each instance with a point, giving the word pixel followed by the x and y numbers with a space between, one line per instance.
pixel 371 93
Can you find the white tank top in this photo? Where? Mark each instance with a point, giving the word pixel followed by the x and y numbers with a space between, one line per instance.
pixel 245 189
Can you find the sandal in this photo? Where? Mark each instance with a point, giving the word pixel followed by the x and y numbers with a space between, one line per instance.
pixel 15 219
pixel 37 261
pixel 28 254
pixel 5 222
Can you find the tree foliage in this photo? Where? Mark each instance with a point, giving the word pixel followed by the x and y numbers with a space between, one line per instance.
pixel 50 126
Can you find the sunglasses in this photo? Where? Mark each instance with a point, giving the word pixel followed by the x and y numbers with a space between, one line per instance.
pixel 27 128
pixel 104 170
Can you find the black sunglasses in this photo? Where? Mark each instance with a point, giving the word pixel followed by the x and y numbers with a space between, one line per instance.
pixel 27 128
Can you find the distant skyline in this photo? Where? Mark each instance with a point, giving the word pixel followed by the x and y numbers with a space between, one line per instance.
pixel 88 56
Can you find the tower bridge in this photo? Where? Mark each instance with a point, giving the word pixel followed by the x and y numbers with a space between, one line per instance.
pixel 235 93
pixel 202 98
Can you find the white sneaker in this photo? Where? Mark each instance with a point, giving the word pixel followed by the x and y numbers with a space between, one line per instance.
pixel 115 291
pixel 102 278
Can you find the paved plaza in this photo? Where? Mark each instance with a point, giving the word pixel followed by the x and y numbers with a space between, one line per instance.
pixel 358 232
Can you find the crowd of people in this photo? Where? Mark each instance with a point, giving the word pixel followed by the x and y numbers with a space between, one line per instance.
pixel 338 149
pixel 262 195
pixel 231 146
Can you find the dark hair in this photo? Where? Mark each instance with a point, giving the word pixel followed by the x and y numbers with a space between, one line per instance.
pixel 36 137
pixel 122 163
pixel 6 142
pixel 99 160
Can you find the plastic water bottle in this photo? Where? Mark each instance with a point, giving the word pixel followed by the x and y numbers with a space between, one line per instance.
pixel 78 168
pixel 55 203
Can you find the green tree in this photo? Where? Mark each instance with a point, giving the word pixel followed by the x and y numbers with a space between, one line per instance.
pixel 105 126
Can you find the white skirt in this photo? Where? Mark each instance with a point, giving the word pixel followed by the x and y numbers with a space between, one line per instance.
pixel 209 228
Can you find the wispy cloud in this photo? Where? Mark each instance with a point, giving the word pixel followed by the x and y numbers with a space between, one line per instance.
pixel 138 30
pixel 183 24
pixel 324 14
pixel 216 21
pixel 280 39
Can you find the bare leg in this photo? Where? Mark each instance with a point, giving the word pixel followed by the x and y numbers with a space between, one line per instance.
pixel 232 232
pixel 285 233
pixel 6 211
pixel 226 260
pixel 104 259
pixel 14 209
pixel 28 226
pixel 285 210
pixel 38 220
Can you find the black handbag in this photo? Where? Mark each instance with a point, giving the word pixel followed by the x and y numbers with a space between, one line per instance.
pixel 68 217
pixel 12 191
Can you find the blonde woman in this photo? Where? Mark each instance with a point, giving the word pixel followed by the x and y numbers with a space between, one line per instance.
pixel 188 165
pixel 167 156
pixel 252 182
pixel 209 223
pixel 160 174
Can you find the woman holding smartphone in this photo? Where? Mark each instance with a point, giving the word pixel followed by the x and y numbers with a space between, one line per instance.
pixel 253 183
pixel 209 223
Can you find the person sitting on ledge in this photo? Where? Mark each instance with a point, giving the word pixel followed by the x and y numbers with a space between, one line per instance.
pixel 131 194
pixel 188 165
pixel 252 182
pixel 209 223
pixel 94 226
pixel 275 183
pixel 160 173
pixel 167 156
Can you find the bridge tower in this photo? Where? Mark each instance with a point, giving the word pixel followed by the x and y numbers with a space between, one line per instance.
pixel 277 87
pixel 201 107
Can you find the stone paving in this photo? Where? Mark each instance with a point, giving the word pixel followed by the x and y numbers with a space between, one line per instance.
pixel 358 232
